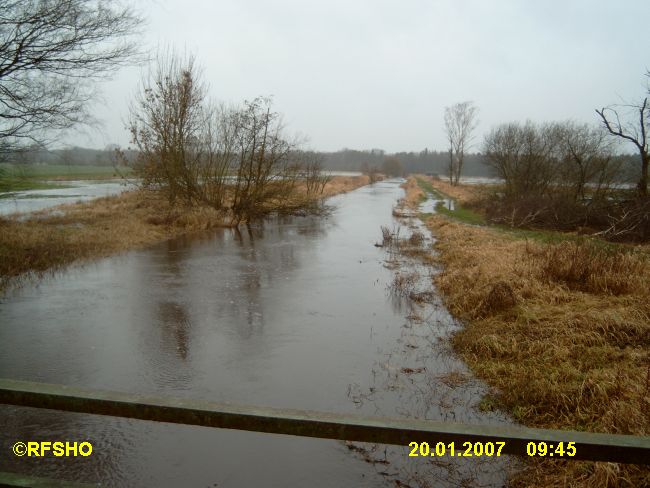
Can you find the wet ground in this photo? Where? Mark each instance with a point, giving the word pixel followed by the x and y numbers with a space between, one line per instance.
pixel 72 191
pixel 294 312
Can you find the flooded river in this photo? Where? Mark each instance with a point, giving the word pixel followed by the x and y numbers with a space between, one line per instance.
pixel 294 312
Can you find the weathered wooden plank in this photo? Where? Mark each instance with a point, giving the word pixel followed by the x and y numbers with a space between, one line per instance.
pixel 589 446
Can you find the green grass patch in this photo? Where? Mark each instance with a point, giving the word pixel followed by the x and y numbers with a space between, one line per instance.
pixel 427 187
pixel 460 213
pixel 10 185
pixel 61 171
pixel 467 216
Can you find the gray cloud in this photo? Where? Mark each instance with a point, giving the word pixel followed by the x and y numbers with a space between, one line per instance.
pixel 378 73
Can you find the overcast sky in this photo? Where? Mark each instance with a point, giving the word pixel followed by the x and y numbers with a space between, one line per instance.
pixel 378 73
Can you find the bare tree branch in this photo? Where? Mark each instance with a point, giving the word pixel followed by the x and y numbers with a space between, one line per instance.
pixel 635 135
pixel 51 54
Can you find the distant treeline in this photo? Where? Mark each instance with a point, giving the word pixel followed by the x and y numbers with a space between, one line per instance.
pixel 436 162
pixel 426 161
pixel 71 156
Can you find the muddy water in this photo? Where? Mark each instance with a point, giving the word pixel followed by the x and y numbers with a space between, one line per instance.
pixel 295 312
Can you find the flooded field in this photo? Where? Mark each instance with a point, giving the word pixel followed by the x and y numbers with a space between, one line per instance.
pixel 292 312
pixel 73 191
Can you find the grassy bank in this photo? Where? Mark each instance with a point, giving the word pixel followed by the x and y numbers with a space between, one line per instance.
pixel 561 329
pixel 14 178
pixel 36 172
pixel 10 185
pixel 106 226
pixel 458 195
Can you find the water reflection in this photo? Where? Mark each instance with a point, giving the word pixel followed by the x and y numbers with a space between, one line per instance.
pixel 292 312
pixel 420 377
pixel 175 326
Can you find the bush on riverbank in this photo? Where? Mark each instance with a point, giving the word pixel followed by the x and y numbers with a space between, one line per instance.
pixel 562 176
pixel 233 159
pixel 55 237
pixel 618 219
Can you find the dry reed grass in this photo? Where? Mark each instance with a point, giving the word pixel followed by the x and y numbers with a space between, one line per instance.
pixel 404 283
pixel 566 343
pixel 462 193
pixel 344 184
pixel 587 267
pixel 413 193
pixel 561 330
pixel 55 237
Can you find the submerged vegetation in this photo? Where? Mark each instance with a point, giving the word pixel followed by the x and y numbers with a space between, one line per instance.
pixel 560 328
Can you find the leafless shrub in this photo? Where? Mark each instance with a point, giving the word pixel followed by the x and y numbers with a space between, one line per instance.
pixel 404 283
pixel 563 176
pixel 178 133
pixel 371 171
pixel 386 236
pixel 389 237
pixel 556 159
pixel 311 173
pixel 416 238
pixel 628 221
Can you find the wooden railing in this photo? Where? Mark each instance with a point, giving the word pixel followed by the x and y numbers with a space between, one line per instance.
pixel 397 431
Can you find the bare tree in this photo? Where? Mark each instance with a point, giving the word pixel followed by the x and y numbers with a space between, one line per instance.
pixel 587 160
pixel 371 171
pixel 311 172
pixel 554 158
pixel 636 133
pixel 184 144
pixel 234 159
pixel 524 156
pixel 558 175
pixel 460 122
pixel 51 54
pixel 266 172
pixel 392 166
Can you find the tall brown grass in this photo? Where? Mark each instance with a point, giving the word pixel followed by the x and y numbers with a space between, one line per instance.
pixel 562 331
pixel 413 193
pixel 587 267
